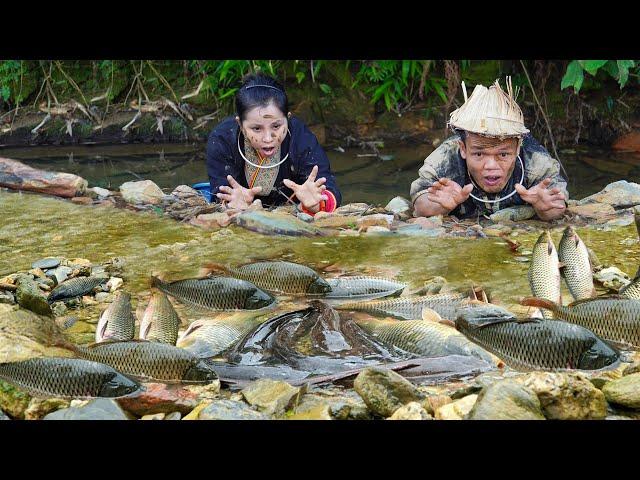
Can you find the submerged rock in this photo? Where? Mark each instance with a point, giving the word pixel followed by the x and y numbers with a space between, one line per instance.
pixel 506 400
pixel 211 221
pixel 625 391
pixel 98 409
pixel 230 410
pixel 411 411
pixel 273 397
pixel 384 391
pixel 272 223
pixel 567 396
pixel 633 368
pixel 142 192
pixel 620 194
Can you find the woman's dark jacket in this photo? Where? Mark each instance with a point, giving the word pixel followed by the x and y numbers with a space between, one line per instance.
pixel 304 150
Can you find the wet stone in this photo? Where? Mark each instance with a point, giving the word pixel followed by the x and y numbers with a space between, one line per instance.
pixel 160 398
pixel 99 409
pixel 230 410
pixel 7 297
pixel 457 410
pixel 12 400
pixel 101 297
pixel 40 407
pixel 28 296
pixel 624 392
pixel 384 391
pixel 506 400
pixel 272 397
pixel 173 416
pixel 633 368
pixel 411 411
pixel 48 262
pixel 60 274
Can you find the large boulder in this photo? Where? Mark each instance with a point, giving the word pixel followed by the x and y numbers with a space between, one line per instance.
pixel 142 192
pixel 272 397
pixel 620 194
pixel 624 392
pixel 567 396
pixel 230 410
pixel 98 409
pixel 592 210
pixel 275 223
pixel 384 391
pixel 506 400
pixel 18 176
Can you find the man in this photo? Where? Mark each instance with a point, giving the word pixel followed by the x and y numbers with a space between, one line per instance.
pixel 491 163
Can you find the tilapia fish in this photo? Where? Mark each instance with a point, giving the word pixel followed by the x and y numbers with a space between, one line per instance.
pixel 149 360
pixel 360 288
pixel 544 270
pixel 533 343
pixel 614 318
pixel 67 377
pixel 117 322
pixel 279 277
pixel 207 338
pixel 424 338
pixel 632 290
pixel 216 293
pixel 445 304
pixel 75 287
pixel 573 253
pixel 160 321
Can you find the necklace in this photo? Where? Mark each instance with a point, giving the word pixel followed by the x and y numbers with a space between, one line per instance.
pixel 499 199
pixel 262 166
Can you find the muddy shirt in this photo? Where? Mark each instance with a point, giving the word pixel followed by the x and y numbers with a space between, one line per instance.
pixel 446 161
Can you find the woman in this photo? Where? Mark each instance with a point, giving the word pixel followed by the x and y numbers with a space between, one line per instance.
pixel 265 153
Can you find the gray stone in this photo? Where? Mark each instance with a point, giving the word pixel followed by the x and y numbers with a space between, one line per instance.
pixel 142 192
pixel 173 416
pixel 58 309
pixel 513 214
pixel 7 297
pixel 29 296
pixel 620 194
pixel 101 297
pixel 272 223
pixel 506 400
pixel 305 217
pixel 384 391
pixel 61 273
pixel 567 396
pixel 230 410
pixel 154 416
pixel 624 392
pixel 102 193
pixel 398 205
pixel 272 397
pixel 48 262
pixel 99 409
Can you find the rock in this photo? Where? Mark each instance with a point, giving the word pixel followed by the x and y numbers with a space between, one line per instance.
pixel 376 229
pixel 155 416
pixel 629 142
pixel 101 297
pixel 398 206
pixel 230 410
pixel 160 398
pixel 82 200
pixel 567 396
pixel 330 220
pixel 457 410
pixel 352 209
pixel 624 392
pixel 434 402
pixel 39 407
pixel 142 192
pixel 506 400
pixel 410 411
pixel 28 296
pixel 193 415
pixel 377 219
pixel 79 262
pixel 600 379
pixel 18 176
pixel 319 131
pixel 46 263
pixel 513 214
pixel 305 217
pixel 211 221
pixel 98 409
pixel 384 391
pixel 271 223
pixel 620 194
pixel 60 274
pixel 321 411
pixel 210 391
pixel 173 416
pixel 3 416
pixel 13 401
pixel 633 368
pixel 101 193
pixel 272 397
pixel 7 297
pixel 593 210
pixel 88 300
pixel 612 278
pixel 58 309
pixel 621 221
pixel 427 223
pixel 114 284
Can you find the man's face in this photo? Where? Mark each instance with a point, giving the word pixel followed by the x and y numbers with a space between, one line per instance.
pixel 490 160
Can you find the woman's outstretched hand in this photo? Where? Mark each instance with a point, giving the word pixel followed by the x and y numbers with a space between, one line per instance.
pixel 310 192
pixel 236 196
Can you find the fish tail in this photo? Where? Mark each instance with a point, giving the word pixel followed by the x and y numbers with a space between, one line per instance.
pixel 212 267
pixel 539 302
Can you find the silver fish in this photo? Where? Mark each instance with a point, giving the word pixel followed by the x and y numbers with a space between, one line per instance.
pixel 632 290
pixel 207 337
pixel 360 288
pixel 544 270
pixel 117 322
pixel 160 322
pixel 75 287
pixel 573 253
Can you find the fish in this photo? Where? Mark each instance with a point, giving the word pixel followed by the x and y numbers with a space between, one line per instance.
pixel 276 276
pixel 207 338
pixel 513 214
pixel 216 293
pixel 67 378
pixel 410 308
pixel 360 288
pixel 160 321
pixel 613 317
pixel 148 360
pixel 425 338
pixel 117 322
pixel 535 344
pixel 576 270
pixel 544 270
pixel 75 287
pixel 632 289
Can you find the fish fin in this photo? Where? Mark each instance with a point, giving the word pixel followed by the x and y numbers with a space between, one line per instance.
pixel 610 297
pixel 449 323
pixel 538 302
pixel 213 268
pixel 104 342
pixel 65 344
pixel 143 333
pixel 430 315
pixel 529 320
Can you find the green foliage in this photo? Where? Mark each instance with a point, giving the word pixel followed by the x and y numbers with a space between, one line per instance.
pixel 11 72
pixel 617 69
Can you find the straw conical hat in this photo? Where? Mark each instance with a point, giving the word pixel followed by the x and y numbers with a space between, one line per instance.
pixel 491 112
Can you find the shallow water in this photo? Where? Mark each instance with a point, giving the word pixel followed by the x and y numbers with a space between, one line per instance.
pixel 360 176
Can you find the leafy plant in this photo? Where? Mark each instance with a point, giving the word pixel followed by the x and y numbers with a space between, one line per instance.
pixel 617 69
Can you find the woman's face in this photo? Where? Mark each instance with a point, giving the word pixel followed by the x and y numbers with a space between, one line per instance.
pixel 265 128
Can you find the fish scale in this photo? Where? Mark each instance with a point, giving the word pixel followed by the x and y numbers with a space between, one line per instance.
pixel 573 253
pixel 362 287
pixel 632 290
pixel 66 377
pixel 207 338
pixel 75 287
pixel 544 271
pixel 160 321
pixel 282 277
pixel 117 322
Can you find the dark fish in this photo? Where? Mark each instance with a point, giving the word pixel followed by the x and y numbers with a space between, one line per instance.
pixel 117 322
pixel 150 360
pixel 533 343
pixel 67 377
pixel 75 287
pixel 216 293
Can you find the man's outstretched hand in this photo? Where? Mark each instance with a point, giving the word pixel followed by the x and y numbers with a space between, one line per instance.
pixel 549 203
pixel 448 194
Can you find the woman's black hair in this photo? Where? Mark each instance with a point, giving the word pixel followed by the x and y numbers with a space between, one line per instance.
pixel 257 90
